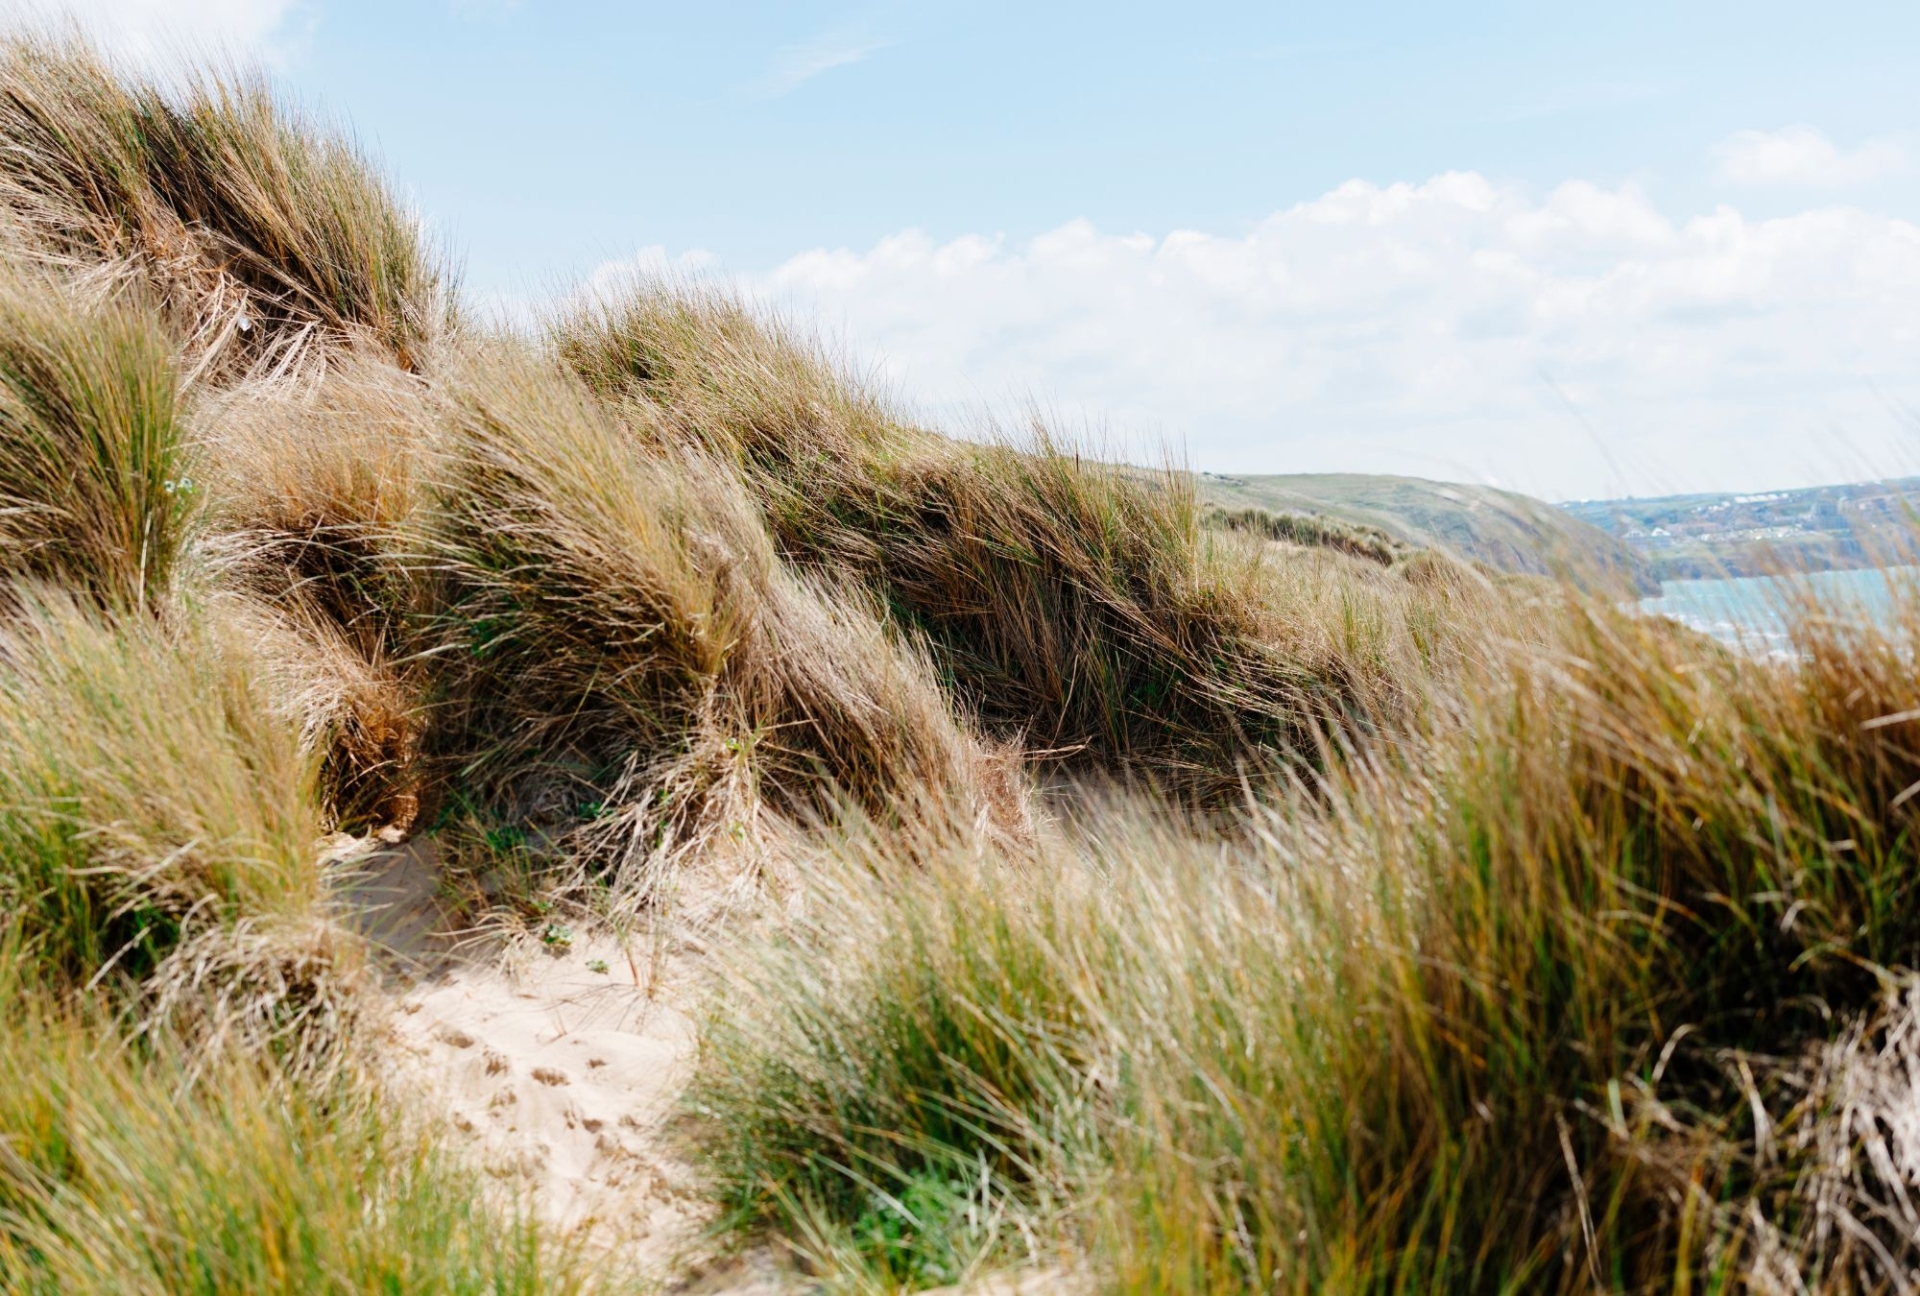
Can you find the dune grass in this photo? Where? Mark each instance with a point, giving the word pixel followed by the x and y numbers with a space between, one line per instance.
pixel 315 491
pixel 149 789
pixel 1069 602
pixel 132 1167
pixel 93 482
pixel 1529 1003
pixel 257 228
pixel 629 663
pixel 1426 931
pixel 1305 529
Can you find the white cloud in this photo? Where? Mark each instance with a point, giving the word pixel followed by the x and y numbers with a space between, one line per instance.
pixel 1801 156
pixel 1440 329
pixel 157 31
pixel 796 65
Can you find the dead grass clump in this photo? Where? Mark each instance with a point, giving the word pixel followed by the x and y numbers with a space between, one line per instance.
pixel 92 489
pixel 257 229
pixel 316 484
pixel 361 714
pixel 1068 603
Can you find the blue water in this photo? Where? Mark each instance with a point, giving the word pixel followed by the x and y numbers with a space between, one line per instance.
pixel 1752 612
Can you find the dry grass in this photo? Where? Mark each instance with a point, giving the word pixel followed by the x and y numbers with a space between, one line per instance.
pixel 145 1169
pixel 1310 531
pixel 630 657
pixel 1500 940
pixel 150 789
pixel 1070 604
pixel 316 482
pixel 260 231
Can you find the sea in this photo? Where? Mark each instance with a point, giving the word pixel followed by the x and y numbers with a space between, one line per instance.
pixel 1753 612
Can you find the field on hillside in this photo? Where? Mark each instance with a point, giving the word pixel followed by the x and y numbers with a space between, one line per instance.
pixel 617 807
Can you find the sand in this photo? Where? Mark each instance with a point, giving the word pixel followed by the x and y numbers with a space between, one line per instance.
pixel 555 1068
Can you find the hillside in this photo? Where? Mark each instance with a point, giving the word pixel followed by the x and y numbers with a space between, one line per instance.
pixel 1813 528
pixel 1503 529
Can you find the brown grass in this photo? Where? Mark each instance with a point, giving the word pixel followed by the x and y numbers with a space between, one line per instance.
pixel 259 230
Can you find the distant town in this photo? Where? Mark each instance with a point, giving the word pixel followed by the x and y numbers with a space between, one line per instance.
pixel 1817 528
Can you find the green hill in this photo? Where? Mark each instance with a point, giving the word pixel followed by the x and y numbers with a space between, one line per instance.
pixel 1503 529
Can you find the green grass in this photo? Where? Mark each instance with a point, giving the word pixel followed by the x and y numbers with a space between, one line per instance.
pixel 150 789
pixel 133 1168
pixel 94 487
pixel 1490 1012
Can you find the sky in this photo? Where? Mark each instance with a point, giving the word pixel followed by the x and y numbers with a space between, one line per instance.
pixel 1576 250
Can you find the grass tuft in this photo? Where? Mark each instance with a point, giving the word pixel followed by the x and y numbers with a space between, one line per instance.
pixel 259 230
pixel 129 1168
pixel 1069 603
pixel 94 489
pixel 1546 997
pixel 151 792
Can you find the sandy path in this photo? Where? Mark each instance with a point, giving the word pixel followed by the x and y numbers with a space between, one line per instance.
pixel 555 1069
pixel 560 1080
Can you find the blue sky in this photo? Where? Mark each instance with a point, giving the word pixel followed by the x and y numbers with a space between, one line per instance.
pixel 550 136
pixel 1574 249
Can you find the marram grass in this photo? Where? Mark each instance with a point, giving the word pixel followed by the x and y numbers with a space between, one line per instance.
pixel 1159 905
pixel 125 1167
pixel 1549 998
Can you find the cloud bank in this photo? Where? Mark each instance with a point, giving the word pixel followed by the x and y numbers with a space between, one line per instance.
pixel 1574 343
pixel 1802 157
